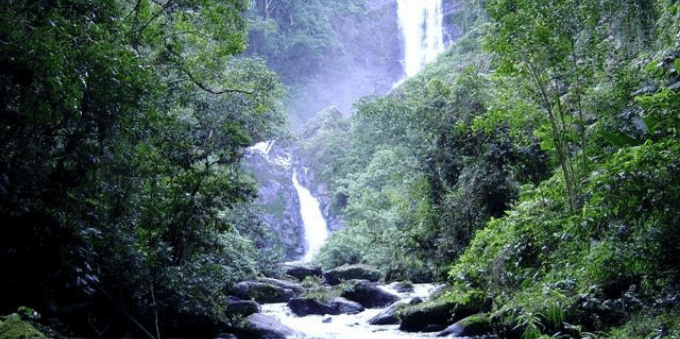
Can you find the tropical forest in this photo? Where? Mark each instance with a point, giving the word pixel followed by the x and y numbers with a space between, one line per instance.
pixel 327 169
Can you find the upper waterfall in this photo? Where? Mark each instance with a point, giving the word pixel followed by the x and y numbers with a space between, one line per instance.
pixel 421 26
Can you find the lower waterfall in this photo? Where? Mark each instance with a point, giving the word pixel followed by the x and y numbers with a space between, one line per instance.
pixel 316 231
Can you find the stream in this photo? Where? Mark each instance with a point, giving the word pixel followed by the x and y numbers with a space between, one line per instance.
pixel 348 326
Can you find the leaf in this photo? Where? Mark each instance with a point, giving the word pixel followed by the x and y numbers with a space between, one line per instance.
pixel 652 123
pixel 652 66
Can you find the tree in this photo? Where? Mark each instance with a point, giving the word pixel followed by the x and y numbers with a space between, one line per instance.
pixel 124 124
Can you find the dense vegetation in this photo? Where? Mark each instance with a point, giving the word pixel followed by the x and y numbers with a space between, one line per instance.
pixel 535 162
pixel 316 46
pixel 124 208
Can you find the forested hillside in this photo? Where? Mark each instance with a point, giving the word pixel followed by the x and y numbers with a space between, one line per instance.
pixel 326 52
pixel 534 164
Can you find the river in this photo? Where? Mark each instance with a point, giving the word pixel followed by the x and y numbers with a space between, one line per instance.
pixel 348 326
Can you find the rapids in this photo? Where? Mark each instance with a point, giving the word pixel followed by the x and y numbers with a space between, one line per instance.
pixel 348 326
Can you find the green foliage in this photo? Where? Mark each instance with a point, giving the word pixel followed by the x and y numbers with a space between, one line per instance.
pixel 125 123
pixel 296 37
pixel 12 326
pixel 540 167
pixel 417 172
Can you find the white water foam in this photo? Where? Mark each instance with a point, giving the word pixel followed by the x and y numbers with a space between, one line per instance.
pixel 348 326
pixel 316 231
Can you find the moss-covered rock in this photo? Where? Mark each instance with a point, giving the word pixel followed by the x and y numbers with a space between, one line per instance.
pixel 351 272
pixel 435 315
pixel 264 292
pixel 474 325
pixel 12 327
pixel 305 306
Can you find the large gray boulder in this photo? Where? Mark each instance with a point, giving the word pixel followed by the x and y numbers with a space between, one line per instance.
pixel 368 294
pixel 242 308
pixel 306 306
pixel 474 325
pixel 301 271
pixel 297 288
pixel 351 272
pixel 259 325
pixel 264 292
pixel 389 315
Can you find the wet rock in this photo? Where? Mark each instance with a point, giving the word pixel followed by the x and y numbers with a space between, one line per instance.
pixel 403 287
pixel 386 317
pixel 259 325
pixel 474 325
pixel 433 328
pixel 350 272
pixel 297 288
pixel 306 306
pixel 368 294
pixel 263 292
pixel 389 315
pixel 242 307
pixel 437 314
pixel 301 271
pixel 345 306
pixel 331 280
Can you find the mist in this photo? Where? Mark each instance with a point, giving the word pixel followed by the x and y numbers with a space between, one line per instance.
pixel 354 49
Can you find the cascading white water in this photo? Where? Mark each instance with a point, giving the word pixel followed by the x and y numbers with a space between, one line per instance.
pixel 350 326
pixel 315 225
pixel 421 25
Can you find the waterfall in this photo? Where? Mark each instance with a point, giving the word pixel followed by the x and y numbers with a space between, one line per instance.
pixel 315 225
pixel 421 25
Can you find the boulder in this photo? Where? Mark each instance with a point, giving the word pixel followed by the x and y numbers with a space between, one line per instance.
pixel 305 306
pixel 263 292
pixel 297 288
pixel 368 294
pixel 243 308
pixel 474 325
pixel 350 272
pixel 435 315
pixel 259 325
pixel 301 271
pixel 389 315
pixel 331 280
pixel 403 287
pixel 345 306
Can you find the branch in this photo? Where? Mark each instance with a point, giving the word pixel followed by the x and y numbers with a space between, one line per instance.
pixel 155 313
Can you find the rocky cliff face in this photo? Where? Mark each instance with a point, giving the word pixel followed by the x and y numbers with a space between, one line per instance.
pixel 273 165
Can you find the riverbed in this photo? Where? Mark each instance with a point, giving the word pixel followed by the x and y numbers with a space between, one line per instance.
pixel 348 326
